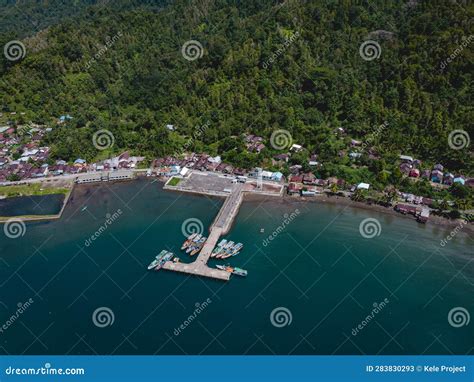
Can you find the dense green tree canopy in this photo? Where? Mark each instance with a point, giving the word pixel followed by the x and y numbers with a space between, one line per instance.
pixel 265 65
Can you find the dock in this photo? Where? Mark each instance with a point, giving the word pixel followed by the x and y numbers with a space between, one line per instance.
pixel 221 226
pixel 216 185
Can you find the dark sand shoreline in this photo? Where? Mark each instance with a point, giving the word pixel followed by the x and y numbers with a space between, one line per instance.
pixel 346 202
pixel 83 190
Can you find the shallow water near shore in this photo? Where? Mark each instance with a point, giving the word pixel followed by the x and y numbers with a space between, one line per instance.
pixel 318 275
pixel 31 205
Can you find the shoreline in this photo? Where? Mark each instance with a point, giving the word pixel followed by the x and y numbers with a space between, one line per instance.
pixel 251 196
pixel 346 202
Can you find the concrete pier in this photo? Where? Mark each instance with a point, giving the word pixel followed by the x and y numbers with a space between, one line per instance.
pixel 219 227
pixel 216 185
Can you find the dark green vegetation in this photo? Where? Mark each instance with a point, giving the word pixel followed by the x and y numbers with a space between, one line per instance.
pixel 26 17
pixel 317 83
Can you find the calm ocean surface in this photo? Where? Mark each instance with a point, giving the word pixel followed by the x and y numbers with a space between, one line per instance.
pixel 31 205
pixel 319 273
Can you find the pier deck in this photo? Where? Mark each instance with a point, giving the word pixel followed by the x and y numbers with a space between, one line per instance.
pixel 219 227
pixel 229 210
pixel 197 269
pixel 199 266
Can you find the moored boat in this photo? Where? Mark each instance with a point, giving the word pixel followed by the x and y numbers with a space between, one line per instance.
pixel 161 254
pixel 225 250
pixel 188 241
pixel 198 246
pixel 234 270
pixel 166 257
pixel 237 248
pixel 153 264
pixel 239 272
pixel 219 247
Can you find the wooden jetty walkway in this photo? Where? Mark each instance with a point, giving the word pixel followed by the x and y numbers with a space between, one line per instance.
pixel 220 226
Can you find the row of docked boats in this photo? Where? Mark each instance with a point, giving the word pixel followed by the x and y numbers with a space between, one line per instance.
pixel 234 270
pixel 226 249
pixel 160 260
pixel 194 243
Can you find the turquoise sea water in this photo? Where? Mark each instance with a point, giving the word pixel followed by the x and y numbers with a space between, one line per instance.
pixel 319 276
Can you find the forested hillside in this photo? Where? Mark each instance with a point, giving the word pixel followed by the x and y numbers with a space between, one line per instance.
pixel 265 65
pixel 23 18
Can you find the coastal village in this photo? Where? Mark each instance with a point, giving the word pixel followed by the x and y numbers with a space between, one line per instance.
pixel 23 157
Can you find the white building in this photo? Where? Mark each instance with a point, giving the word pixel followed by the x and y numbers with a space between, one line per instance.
pixel 294 147
pixel 363 186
